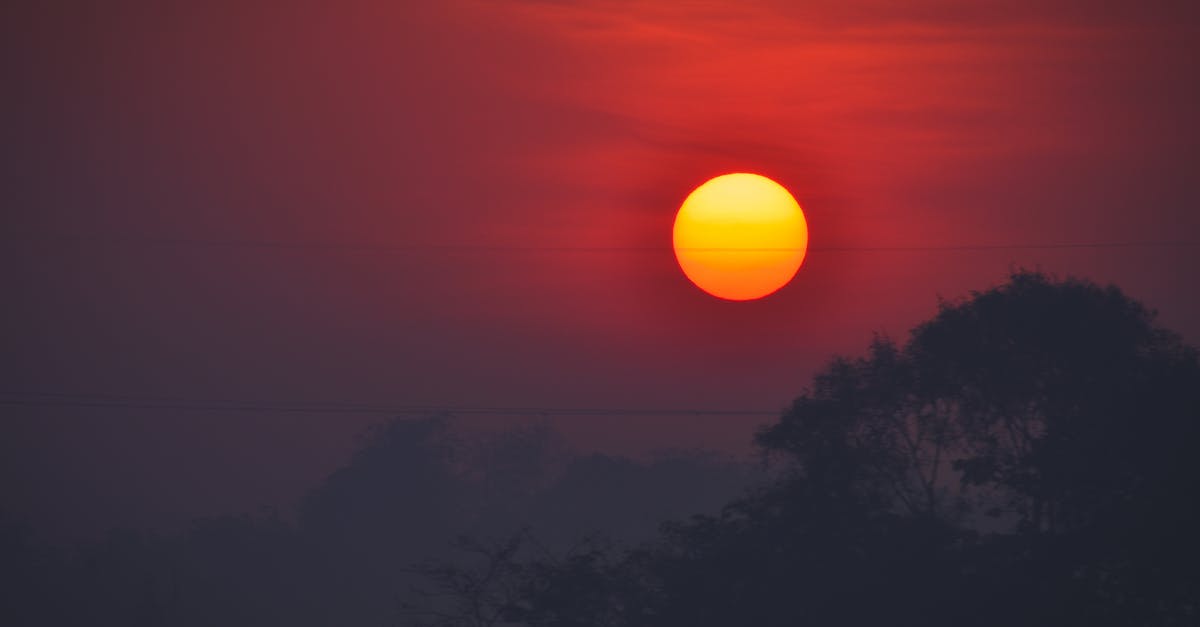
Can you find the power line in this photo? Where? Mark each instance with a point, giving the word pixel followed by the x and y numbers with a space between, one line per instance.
pixel 368 247
pixel 105 401
pixel 1017 246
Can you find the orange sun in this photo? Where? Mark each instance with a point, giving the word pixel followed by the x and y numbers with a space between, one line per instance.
pixel 740 236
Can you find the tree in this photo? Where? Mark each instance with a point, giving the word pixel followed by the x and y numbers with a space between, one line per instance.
pixel 397 500
pixel 1057 408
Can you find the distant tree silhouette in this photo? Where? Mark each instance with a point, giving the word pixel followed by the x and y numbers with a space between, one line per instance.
pixel 508 470
pixel 399 499
pixel 412 488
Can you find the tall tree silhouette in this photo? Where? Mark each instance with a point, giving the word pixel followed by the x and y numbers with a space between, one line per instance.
pixel 1057 408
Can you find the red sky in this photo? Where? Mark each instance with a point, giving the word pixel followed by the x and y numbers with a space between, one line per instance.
pixel 148 142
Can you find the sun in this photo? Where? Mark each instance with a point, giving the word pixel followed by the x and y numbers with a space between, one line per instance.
pixel 740 236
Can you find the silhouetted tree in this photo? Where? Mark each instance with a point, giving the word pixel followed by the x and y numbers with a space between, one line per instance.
pixel 398 500
pixel 1059 409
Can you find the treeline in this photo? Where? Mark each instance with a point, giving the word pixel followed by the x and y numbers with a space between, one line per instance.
pixel 348 555
pixel 1026 457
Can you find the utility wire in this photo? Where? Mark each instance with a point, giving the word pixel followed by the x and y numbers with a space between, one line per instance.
pixel 498 248
pixel 102 401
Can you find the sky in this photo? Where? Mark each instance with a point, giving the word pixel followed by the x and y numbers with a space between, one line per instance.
pixel 465 203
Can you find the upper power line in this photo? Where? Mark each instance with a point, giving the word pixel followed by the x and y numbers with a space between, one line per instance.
pixel 101 401
pixel 370 247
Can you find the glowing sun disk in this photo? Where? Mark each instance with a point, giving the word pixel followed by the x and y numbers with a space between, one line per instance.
pixel 740 236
